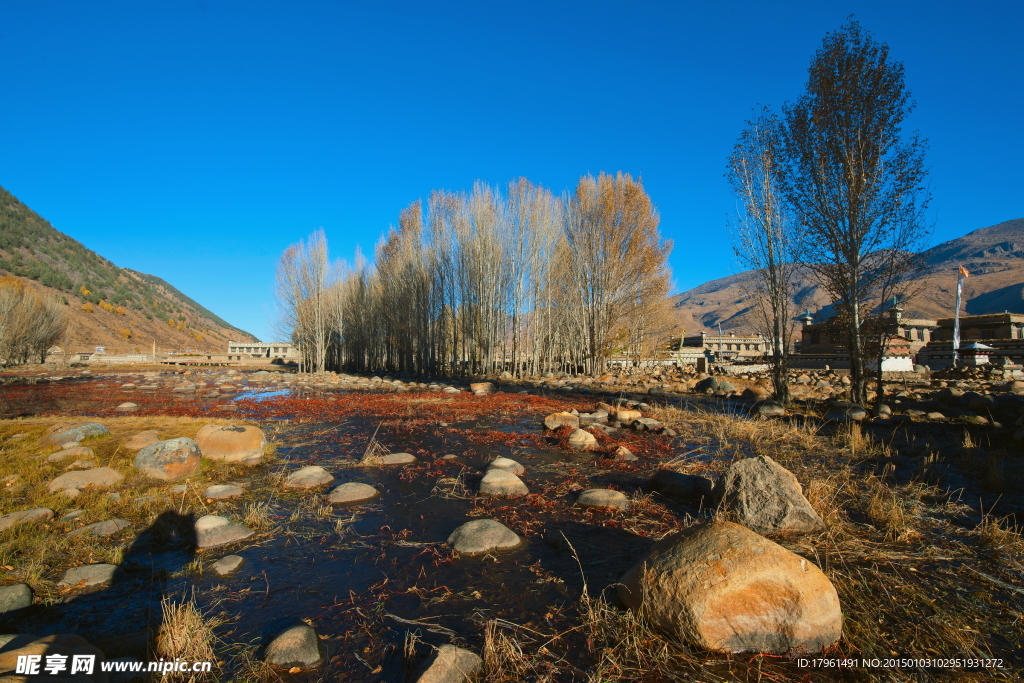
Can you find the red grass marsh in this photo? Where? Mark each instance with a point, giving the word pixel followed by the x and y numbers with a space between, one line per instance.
pixel 918 530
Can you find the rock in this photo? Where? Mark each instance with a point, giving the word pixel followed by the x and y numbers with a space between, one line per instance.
pixel 98 477
pixel 81 465
pixel 223 492
pixel 127 407
pixel 681 486
pixel 627 416
pixel 623 454
pixel 66 646
pixel 722 587
pixel 308 478
pixel 766 497
pixel 647 423
pixel 227 565
pixel 169 460
pixel 351 492
pixel 141 440
pixel 508 465
pixel 882 410
pixel 582 440
pixel 768 409
pixel 556 420
pixel 482 536
pixel 14 598
pixel 500 483
pixel 76 452
pixel 105 528
pixel 603 498
pixel 482 388
pixel 451 664
pixel 24 517
pixel 298 646
pixel 213 531
pixel 395 459
pixel 707 384
pixel 935 416
pixel 89 576
pixel 755 393
pixel 982 404
pixel 71 516
pixel 726 386
pixel 66 432
pixel 231 443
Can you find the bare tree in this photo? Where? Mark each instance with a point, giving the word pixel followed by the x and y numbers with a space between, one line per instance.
pixel 616 258
pixel 302 280
pixel 854 182
pixel 764 239
pixel 30 322
pixel 483 281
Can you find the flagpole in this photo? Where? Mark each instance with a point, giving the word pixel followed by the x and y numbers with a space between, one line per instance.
pixel 961 275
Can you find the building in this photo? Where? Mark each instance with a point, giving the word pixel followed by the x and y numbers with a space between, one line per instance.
pixel 257 350
pixel 999 335
pixel 824 343
pixel 827 338
pixel 724 347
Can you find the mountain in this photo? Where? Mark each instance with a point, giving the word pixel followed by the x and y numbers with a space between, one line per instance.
pixel 118 308
pixel 994 256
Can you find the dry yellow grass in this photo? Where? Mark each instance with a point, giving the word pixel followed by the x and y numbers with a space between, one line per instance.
pixel 39 552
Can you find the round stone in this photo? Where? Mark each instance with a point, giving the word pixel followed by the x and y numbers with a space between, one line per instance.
pixel 351 492
pixel 603 498
pixel 482 536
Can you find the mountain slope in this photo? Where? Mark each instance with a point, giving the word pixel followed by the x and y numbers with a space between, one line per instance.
pixel 108 306
pixel 994 256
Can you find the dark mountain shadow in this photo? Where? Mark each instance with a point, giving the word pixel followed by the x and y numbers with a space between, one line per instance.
pixel 1010 299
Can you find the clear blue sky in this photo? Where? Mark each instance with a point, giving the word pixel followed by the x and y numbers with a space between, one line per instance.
pixel 196 140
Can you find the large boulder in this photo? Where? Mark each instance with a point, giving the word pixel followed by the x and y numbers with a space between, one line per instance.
pixel 682 486
pixel 722 587
pixel 68 432
pixel 298 646
pixel 231 443
pixel 309 477
pixel 766 497
pixel 169 460
pixel 582 440
pixel 76 480
pixel 450 664
pixel 64 646
pixel 482 536
pixel 14 599
pixel 213 531
pixel 501 483
pixel 14 519
pixel 556 420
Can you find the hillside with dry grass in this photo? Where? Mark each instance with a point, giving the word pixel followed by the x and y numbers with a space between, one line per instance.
pixel 121 309
pixel 994 256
